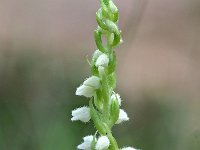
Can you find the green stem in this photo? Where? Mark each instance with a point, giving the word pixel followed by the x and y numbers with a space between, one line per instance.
pixel 113 142
pixel 107 18
pixel 105 93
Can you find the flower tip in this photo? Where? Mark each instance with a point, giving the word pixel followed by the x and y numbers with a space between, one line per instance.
pixel 87 141
pixel 86 91
pixel 116 96
pixel 128 148
pixel 102 143
pixel 82 114
pixel 102 60
pixel 92 81
pixel 73 119
pixel 122 116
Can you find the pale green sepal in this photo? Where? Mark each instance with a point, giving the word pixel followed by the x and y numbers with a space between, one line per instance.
pixel 112 63
pixel 112 80
pixel 93 142
pixel 114 111
pixel 98 122
pixel 98 40
pixel 112 27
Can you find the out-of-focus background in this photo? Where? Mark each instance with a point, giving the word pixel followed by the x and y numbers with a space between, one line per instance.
pixel 43 50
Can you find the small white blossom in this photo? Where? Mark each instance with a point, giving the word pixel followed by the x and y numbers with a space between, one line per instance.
pixel 87 141
pixel 102 143
pixel 102 60
pixel 96 54
pixel 89 86
pixel 116 96
pixel 82 114
pixel 92 81
pixel 128 148
pixel 86 91
pixel 122 116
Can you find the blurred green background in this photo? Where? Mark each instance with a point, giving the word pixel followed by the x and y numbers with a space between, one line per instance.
pixel 43 50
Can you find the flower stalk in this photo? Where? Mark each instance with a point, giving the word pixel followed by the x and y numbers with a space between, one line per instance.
pixel 104 104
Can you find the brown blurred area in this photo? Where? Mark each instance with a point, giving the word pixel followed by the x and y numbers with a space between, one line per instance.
pixel 43 49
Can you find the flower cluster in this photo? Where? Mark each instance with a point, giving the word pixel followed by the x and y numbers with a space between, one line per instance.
pixel 104 104
pixel 101 144
pixel 89 89
pixel 83 113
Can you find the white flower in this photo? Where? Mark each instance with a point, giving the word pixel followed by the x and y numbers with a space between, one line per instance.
pixel 116 96
pixel 89 86
pixel 82 114
pixel 96 54
pixel 128 148
pixel 87 141
pixel 122 116
pixel 86 91
pixel 102 60
pixel 102 143
pixel 93 81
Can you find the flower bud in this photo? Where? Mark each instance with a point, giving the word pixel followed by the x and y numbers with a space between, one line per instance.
pixel 116 96
pixel 112 6
pixel 102 60
pixel 128 148
pixel 96 54
pixel 112 27
pixel 87 142
pixel 82 114
pixel 122 116
pixel 93 81
pixel 102 143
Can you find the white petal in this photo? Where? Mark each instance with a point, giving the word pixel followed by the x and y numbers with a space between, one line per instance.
pixel 114 96
pixel 93 81
pixel 102 143
pixel 122 116
pixel 86 145
pixel 86 91
pixel 102 60
pixel 96 54
pixel 128 148
pixel 82 114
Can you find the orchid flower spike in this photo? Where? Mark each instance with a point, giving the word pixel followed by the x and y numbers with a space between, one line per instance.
pixel 104 104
